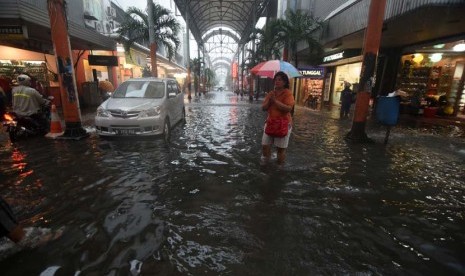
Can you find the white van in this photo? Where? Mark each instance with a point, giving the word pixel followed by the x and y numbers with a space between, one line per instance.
pixel 142 107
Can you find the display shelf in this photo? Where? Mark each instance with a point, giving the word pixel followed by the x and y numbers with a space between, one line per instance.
pixel 410 79
pixel 39 71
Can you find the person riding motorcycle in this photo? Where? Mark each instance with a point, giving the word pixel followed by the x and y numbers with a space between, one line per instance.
pixel 28 102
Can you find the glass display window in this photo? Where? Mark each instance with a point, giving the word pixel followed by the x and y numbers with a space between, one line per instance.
pixel 432 76
pixel 349 73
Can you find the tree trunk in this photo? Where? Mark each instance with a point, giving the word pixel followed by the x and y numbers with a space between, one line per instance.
pixel 285 54
pixel 153 44
pixel 153 59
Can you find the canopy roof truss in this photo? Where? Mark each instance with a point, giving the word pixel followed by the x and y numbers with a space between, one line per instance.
pixel 237 15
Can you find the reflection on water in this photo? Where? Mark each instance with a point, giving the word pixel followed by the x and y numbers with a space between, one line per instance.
pixel 204 205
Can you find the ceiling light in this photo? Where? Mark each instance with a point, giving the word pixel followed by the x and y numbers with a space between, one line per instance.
pixel 435 57
pixel 417 58
pixel 439 46
pixel 459 47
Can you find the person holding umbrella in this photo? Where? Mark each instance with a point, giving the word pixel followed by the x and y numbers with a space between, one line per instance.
pixel 278 104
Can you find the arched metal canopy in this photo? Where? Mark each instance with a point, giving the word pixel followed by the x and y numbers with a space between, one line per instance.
pixel 228 60
pixel 221 32
pixel 222 65
pixel 221 62
pixel 205 15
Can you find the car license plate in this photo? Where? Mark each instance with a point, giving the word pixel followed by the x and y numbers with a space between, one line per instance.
pixel 125 131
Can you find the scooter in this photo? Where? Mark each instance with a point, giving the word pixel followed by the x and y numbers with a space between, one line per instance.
pixel 19 127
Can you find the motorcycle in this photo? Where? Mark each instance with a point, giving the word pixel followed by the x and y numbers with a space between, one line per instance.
pixel 19 127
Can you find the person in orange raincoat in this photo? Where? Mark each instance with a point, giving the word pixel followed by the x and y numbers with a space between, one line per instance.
pixel 105 87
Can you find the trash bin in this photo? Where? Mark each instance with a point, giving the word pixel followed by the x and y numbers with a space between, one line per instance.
pixel 90 94
pixel 387 110
pixel 430 112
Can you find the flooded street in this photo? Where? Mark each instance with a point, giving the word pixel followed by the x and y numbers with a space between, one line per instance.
pixel 205 205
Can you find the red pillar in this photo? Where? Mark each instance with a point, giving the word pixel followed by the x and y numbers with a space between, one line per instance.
pixel 285 54
pixel 114 72
pixel 66 77
pixel 370 53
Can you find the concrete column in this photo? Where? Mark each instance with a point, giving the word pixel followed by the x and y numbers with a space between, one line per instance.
pixel 66 76
pixel 370 53
pixel 188 59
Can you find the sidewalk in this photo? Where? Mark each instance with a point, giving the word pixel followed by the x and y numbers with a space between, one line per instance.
pixel 447 125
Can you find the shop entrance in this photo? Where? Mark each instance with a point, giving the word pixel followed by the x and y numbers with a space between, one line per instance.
pixel 349 73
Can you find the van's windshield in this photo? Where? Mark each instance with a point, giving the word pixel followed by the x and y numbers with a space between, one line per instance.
pixel 140 89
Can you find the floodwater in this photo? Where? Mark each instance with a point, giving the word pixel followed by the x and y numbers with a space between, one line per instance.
pixel 205 205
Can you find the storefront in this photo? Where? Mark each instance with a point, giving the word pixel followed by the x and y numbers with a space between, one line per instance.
pixel 341 66
pixel 40 66
pixel 311 87
pixel 433 76
pixel 132 63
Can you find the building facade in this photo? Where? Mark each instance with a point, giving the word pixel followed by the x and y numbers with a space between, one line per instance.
pixel 422 48
pixel 26 46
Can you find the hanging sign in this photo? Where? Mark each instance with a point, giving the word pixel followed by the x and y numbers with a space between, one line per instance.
pixel 13 32
pixel 103 60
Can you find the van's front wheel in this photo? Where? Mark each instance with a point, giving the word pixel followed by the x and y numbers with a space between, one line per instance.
pixel 167 131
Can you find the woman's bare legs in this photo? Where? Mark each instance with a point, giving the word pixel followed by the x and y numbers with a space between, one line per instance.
pixel 281 156
pixel 266 152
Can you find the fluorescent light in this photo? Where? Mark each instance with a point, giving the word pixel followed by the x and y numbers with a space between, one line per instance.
pixel 180 75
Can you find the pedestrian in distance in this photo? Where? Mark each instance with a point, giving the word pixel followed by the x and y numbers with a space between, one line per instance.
pixel 278 104
pixel 346 100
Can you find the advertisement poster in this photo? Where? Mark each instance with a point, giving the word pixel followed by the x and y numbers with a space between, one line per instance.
pixel 327 88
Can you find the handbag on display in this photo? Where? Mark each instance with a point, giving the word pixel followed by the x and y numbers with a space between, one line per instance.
pixel 277 127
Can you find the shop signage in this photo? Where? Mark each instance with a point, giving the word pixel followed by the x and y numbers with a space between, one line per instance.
pixel 103 60
pixel 312 72
pixel 342 55
pixel 136 58
pixel 13 32
pixel 335 56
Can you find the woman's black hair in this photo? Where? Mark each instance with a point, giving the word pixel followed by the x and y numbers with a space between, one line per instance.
pixel 284 77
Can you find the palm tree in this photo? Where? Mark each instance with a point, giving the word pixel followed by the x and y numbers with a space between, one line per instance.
pixel 299 26
pixel 195 66
pixel 209 78
pixel 269 40
pixel 268 46
pixel 135 28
